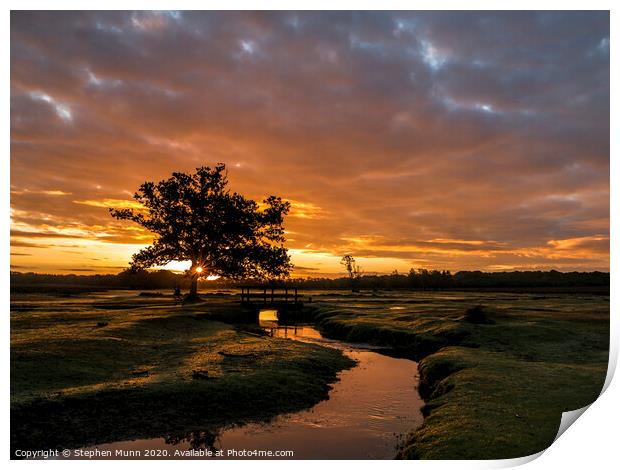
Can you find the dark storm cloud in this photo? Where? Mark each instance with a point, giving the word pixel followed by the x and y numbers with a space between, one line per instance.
pixel 412 127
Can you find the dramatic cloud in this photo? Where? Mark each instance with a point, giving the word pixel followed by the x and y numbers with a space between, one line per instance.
pixel 472 140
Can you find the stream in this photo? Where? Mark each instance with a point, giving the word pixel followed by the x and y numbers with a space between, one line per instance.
pixel 369 411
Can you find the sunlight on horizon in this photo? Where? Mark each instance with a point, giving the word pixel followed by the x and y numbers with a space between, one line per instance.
pixel 182 266
pixel 176 266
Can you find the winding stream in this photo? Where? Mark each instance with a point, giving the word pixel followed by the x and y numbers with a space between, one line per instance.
pixel 369 410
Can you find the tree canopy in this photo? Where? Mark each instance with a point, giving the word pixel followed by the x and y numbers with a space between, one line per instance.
pixel 196 217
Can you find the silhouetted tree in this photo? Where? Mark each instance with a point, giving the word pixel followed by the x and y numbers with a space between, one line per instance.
pixel 195 217
pixel 352 268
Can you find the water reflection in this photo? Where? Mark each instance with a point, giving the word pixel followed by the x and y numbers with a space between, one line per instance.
pixel 369 410
pixel 195 440
pixel 267 316
pixel 268 320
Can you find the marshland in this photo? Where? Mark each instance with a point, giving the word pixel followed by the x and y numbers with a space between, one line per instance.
pixel 469 374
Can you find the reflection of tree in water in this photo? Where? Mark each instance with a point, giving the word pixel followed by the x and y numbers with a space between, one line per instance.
pixel 195 439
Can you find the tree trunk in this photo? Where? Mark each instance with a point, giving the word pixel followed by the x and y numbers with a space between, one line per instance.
pixel 193 289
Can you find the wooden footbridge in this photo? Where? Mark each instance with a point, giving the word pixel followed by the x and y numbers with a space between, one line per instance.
pixel 275 297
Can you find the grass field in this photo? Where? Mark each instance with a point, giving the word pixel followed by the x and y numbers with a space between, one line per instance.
pixel 88 369
pixel 494 389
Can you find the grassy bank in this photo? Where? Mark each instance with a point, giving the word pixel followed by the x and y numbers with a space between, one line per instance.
pixel 94 369
pixel 495 381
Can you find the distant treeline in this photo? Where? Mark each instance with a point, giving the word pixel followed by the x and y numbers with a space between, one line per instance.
pixel 124 280
pixel 418 279
pixel 422 279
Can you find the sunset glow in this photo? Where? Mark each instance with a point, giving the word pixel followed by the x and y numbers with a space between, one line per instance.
pixel 410 140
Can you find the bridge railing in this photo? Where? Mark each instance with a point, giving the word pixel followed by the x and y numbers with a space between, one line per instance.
pixel 270 295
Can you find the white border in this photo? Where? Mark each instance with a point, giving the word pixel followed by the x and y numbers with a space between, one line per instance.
pixel 590 443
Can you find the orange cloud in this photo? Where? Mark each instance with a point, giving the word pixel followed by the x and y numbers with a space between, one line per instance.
pixel 393 143
pixel 112 203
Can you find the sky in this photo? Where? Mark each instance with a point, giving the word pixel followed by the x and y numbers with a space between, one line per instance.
pixel 437 140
